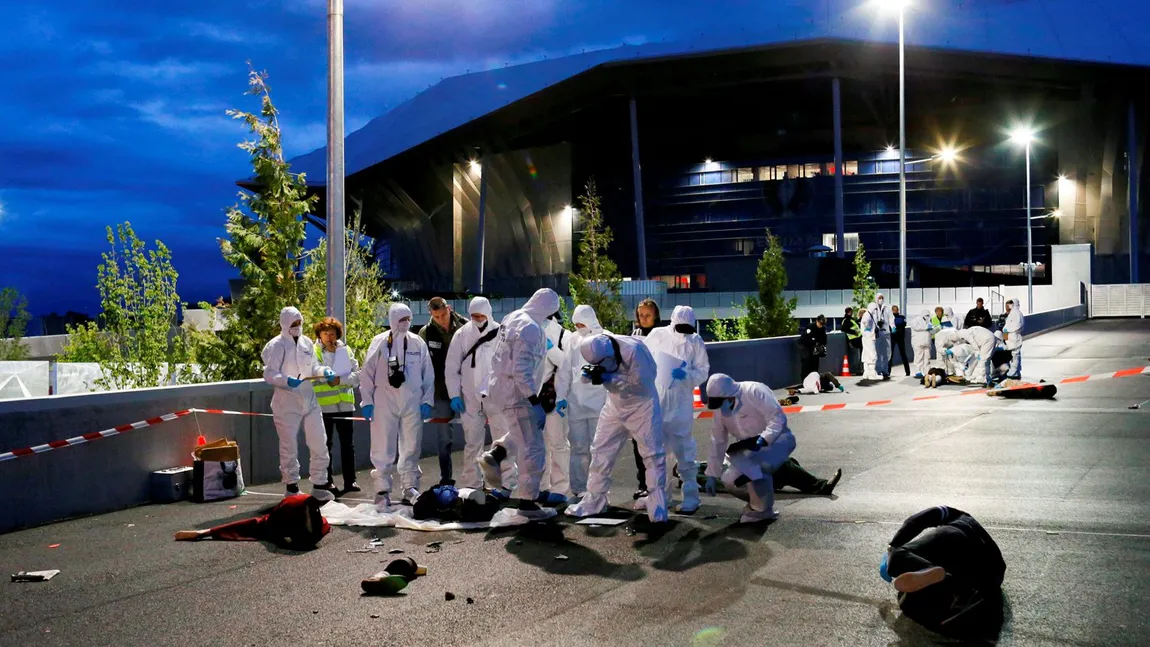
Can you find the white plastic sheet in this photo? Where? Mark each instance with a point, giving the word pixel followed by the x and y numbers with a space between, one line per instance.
pixel 365 514
pixel 23 379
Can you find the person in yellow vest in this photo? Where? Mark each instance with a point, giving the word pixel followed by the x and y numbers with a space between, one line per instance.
pixel 337 401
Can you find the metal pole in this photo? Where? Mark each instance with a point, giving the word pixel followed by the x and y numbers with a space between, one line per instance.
pixel 1133 178
pixel 482 217
pixel 1029 241
pixel 336 239
pixel 637 179
pixel 901 164
pixel 840 225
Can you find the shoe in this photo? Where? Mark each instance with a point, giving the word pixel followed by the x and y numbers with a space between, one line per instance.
pixel 750 515
pixel 639 494
pixel 829 488
pixel 587 506
pixel 531 510
pixel 409 496
pixel 446 481
pixel 292 488
pixel 919 580
pixel 324 492
pixel 640 504
pixel 962 604
pixel 351 487
pixel 918 376
pixel 492 474
pixel 885 378
pixel 690 503
pixel 382 502
pixel 500 495
pixel 551 499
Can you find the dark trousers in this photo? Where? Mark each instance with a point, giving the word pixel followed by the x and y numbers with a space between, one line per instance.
pixel 334 425
pixel 792 474
pixel 900 344
pixel 854 356
pixel 808 364
pixel 642 469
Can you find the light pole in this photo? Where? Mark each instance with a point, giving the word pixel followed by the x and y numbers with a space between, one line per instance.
pixel 1024 135
pixel 901 157
pixel 336 240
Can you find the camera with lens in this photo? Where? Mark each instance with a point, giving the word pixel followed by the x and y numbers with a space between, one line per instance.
pixel 395 375
pixel 594 372
pixel 820 350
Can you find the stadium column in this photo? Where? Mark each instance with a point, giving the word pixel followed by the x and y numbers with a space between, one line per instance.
pixel 1134 176
pixel 840 245
pixel 640 236
pixel 481 243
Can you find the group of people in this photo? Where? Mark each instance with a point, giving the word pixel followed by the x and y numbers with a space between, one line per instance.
pixel 977 349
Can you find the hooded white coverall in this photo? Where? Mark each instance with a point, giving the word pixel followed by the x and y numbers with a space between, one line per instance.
pixel 920 342
pixel 633 409
pixel 556 473
pixel 884 323
pixel 984 342
pixel 287 356
pixel 676 396
pixel 513 387
pixel 1012 336
pixel 954 319
pixel 944 340
pixel 465 373
pixel 869 326
pixel 397 425
pixel 755 412
pixel 584 400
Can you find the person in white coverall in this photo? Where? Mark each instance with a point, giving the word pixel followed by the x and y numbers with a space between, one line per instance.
pixel 945 340
pixel 984 343
pixel 468 363
pixel 625 367
pixel 884 323
pixel 1012 337
pixel 396 390
pixel 955 322
pixel 751 430
pixel 289 359
pixel 869 327
pixel 920 343
pixel 681 343
pixel 513 389
pixel 584 400
pixel 556 386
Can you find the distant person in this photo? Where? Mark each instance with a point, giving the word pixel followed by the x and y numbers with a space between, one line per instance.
pixel 646 319
pixel 868 322
pixel 884 324
pixel 437 334
pixel 920 343
pixel 978 316
pixel 853 333
pixel 1012 330
pixel 815 383
pixel 898 338
pixel 940 320
pixel 813 345
pixel 338 400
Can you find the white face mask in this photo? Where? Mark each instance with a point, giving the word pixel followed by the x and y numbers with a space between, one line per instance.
pixel 294 331
pixel 402 327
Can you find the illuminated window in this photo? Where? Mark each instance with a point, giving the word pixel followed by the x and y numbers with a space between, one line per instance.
pixel 794 170
pixel 850 242
pixel 851 168
pixel 811 170
pixel 746 246
pixel 765 173
pixel 780 173
pixel 745 175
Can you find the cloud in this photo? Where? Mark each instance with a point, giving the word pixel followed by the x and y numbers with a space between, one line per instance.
pixel 184 118
pixel 164 71
pixel 226 34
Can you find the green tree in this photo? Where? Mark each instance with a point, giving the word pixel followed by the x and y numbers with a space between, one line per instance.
pixel 770 314
pixel 367 296
pixel 731 328
pixel 13 323
pixel 598 281
pixel 265 243
pixel 135 342
pixel 865 287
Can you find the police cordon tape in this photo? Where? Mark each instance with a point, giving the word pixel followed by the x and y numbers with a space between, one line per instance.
pixel 700 414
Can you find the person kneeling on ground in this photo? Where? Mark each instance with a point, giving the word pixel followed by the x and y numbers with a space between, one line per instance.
pixel 749 415
pixel 815 383
pixel 947 569
pixel 294 523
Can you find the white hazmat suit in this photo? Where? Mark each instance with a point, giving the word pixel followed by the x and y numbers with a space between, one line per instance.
pixel 556 477
pixel 513 387
pixel 920 342
pixel 288 358
pixel 684 356
pixel 984 342
pixel 632 408
pixel 584 400
pixel 884 323
pixel 465 373
pixel 396 418
pixel 749 410
pixel 1012 336
pixel 869 326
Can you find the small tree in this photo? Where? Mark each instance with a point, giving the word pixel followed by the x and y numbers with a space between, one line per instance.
pixel 265 243
pixel 13 324
pixel 865 287
pixel 732 328
pixel 135 345
pixel 366 291
pixel 598 281
pixel 769 315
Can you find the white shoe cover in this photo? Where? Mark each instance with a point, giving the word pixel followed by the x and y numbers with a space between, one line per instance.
pixel 750 515
pixel 640 504
pixel 690 503
pixel 588 506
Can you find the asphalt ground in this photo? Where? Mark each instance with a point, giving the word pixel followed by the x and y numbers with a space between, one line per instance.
pixel 1061 485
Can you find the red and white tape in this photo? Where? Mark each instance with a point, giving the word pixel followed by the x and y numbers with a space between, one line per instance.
pixel 95 435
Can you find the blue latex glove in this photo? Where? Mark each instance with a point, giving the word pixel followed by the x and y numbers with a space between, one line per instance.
pixel 457 404
pixel 425 411
pixel 841 388
pixel 679 373
pixel 539 415
pixel 711 487
pixel 293 382
pixel 369 411
pixel 561 408
pixel 330 375
pixel 550 345
pixel 883 571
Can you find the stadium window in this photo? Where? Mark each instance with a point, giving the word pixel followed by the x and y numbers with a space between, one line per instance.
pixel 812 170
pixel 794 170
pixel 765 173
pixel 830 168
pixel 746 246
pixel 780 173
pixel 851 168
pixel 745 175
pixel 850 242
pixel 700 281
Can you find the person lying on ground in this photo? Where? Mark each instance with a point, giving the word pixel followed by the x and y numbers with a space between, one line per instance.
pixel 294 523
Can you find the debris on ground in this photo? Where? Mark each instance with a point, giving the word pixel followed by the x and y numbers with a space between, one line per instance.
pixel 449 596
pixel 374 616
pixel 562 558
pixel 458 541
pixel 375 541
pixel 365 549
pixel 470 601
pixel 35 576
pixel 434 547
pixel 395 551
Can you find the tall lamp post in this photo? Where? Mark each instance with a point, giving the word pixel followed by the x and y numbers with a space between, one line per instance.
pixel 336 240
pixel 901 6
pixel 1025 135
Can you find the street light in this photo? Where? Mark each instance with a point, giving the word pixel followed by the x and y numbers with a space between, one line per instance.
pixel 1025 135
pixel 901 6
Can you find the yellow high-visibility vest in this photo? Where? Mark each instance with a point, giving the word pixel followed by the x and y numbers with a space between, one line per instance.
pixel 329 395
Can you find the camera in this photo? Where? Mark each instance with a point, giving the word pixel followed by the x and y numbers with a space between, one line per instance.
pixel 820 350
pixel 594 372
pixel 395 375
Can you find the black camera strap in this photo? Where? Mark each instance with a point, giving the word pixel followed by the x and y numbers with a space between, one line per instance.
pixel 491 334
pixel 400 365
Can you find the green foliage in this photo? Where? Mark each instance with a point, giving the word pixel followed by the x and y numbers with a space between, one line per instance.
pixel 13 323
pixel 135 345
pixel 367 294
pixel 770 314
pixel 598 281
pixel 265 243
pixel 730 329
pixel 865 287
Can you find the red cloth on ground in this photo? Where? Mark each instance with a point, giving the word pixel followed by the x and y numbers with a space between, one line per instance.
pixel 294 523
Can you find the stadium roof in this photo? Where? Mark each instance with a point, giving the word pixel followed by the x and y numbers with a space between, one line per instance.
pixel 1070 30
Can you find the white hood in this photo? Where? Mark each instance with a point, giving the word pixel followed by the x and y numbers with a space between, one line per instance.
pixel 396 312
pixel 480 306
pixel 542 304
pixel 585 314
pixel 683 315
pixel 722 386
pixel 288 316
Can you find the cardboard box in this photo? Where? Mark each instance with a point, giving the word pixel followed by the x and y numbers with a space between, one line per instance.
pixel 217 451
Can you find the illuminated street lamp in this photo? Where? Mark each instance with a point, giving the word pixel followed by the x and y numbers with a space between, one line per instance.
pixel 901 6
pixel 1024 135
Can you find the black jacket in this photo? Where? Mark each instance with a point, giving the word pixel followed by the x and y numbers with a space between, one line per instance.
pixel 978 317
pixel 812 338
pixel 438 341
pixel 850 328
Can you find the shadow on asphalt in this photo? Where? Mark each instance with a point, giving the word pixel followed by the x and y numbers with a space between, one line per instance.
pixel 542 544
